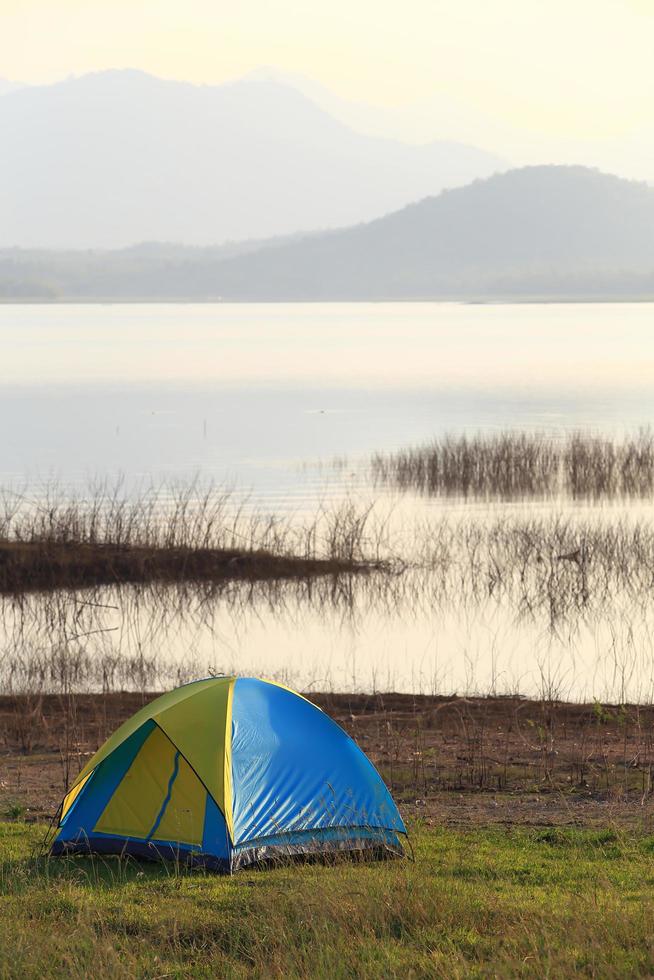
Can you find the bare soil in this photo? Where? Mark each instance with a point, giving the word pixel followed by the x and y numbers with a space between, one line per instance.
pixel 455 761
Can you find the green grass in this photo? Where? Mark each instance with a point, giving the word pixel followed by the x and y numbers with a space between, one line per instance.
pixel 13 810
pixel 476 903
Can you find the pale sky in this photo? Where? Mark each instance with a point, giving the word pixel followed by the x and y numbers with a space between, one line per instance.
pixel 567 71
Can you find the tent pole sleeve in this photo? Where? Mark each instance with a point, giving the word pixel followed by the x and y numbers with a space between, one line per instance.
pixel 227 767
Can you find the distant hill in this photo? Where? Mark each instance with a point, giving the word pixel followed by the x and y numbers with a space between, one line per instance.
pixel 547 232
pixel 119 157
pixel 151 270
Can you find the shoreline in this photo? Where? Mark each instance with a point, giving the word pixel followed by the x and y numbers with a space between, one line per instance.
pixel 459 761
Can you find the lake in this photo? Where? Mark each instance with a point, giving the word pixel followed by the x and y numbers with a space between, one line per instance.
pixel 257 395
pixel 265 398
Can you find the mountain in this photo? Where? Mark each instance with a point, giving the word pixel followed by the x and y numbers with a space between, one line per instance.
pixel 536 232
pixel 152 270
pixel 548 229
pixel 624 148
pixel 119 157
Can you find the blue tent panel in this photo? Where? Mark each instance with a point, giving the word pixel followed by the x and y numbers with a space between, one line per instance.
pixel 295 770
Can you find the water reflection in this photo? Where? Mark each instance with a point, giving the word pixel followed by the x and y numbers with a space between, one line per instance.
pixel 554 599
pixel 474 619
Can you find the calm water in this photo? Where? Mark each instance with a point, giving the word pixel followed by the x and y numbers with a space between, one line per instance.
pixel 256 395
pixel 264 397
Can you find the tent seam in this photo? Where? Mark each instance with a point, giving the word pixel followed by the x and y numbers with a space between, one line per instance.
pixel 227 764
pixel 169 793
pixel 191 767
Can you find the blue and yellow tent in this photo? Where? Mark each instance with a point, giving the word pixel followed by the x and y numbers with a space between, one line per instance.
pixel 224 772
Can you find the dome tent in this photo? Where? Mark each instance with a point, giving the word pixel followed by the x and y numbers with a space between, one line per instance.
pixel 224 772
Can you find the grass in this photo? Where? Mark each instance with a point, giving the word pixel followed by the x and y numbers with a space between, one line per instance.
pixel 476 903
pixel 559 563
pixel 516 466
pixel 166 534
pixel 43 565
pixel 554 568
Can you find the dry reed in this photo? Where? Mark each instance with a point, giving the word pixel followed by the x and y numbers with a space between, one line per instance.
pixel 518 466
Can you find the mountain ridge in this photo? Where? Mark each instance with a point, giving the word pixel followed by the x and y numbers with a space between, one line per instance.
pixel 532 232
pixel 113 158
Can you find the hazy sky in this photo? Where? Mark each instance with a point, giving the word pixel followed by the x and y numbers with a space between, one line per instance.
pixel 559 70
